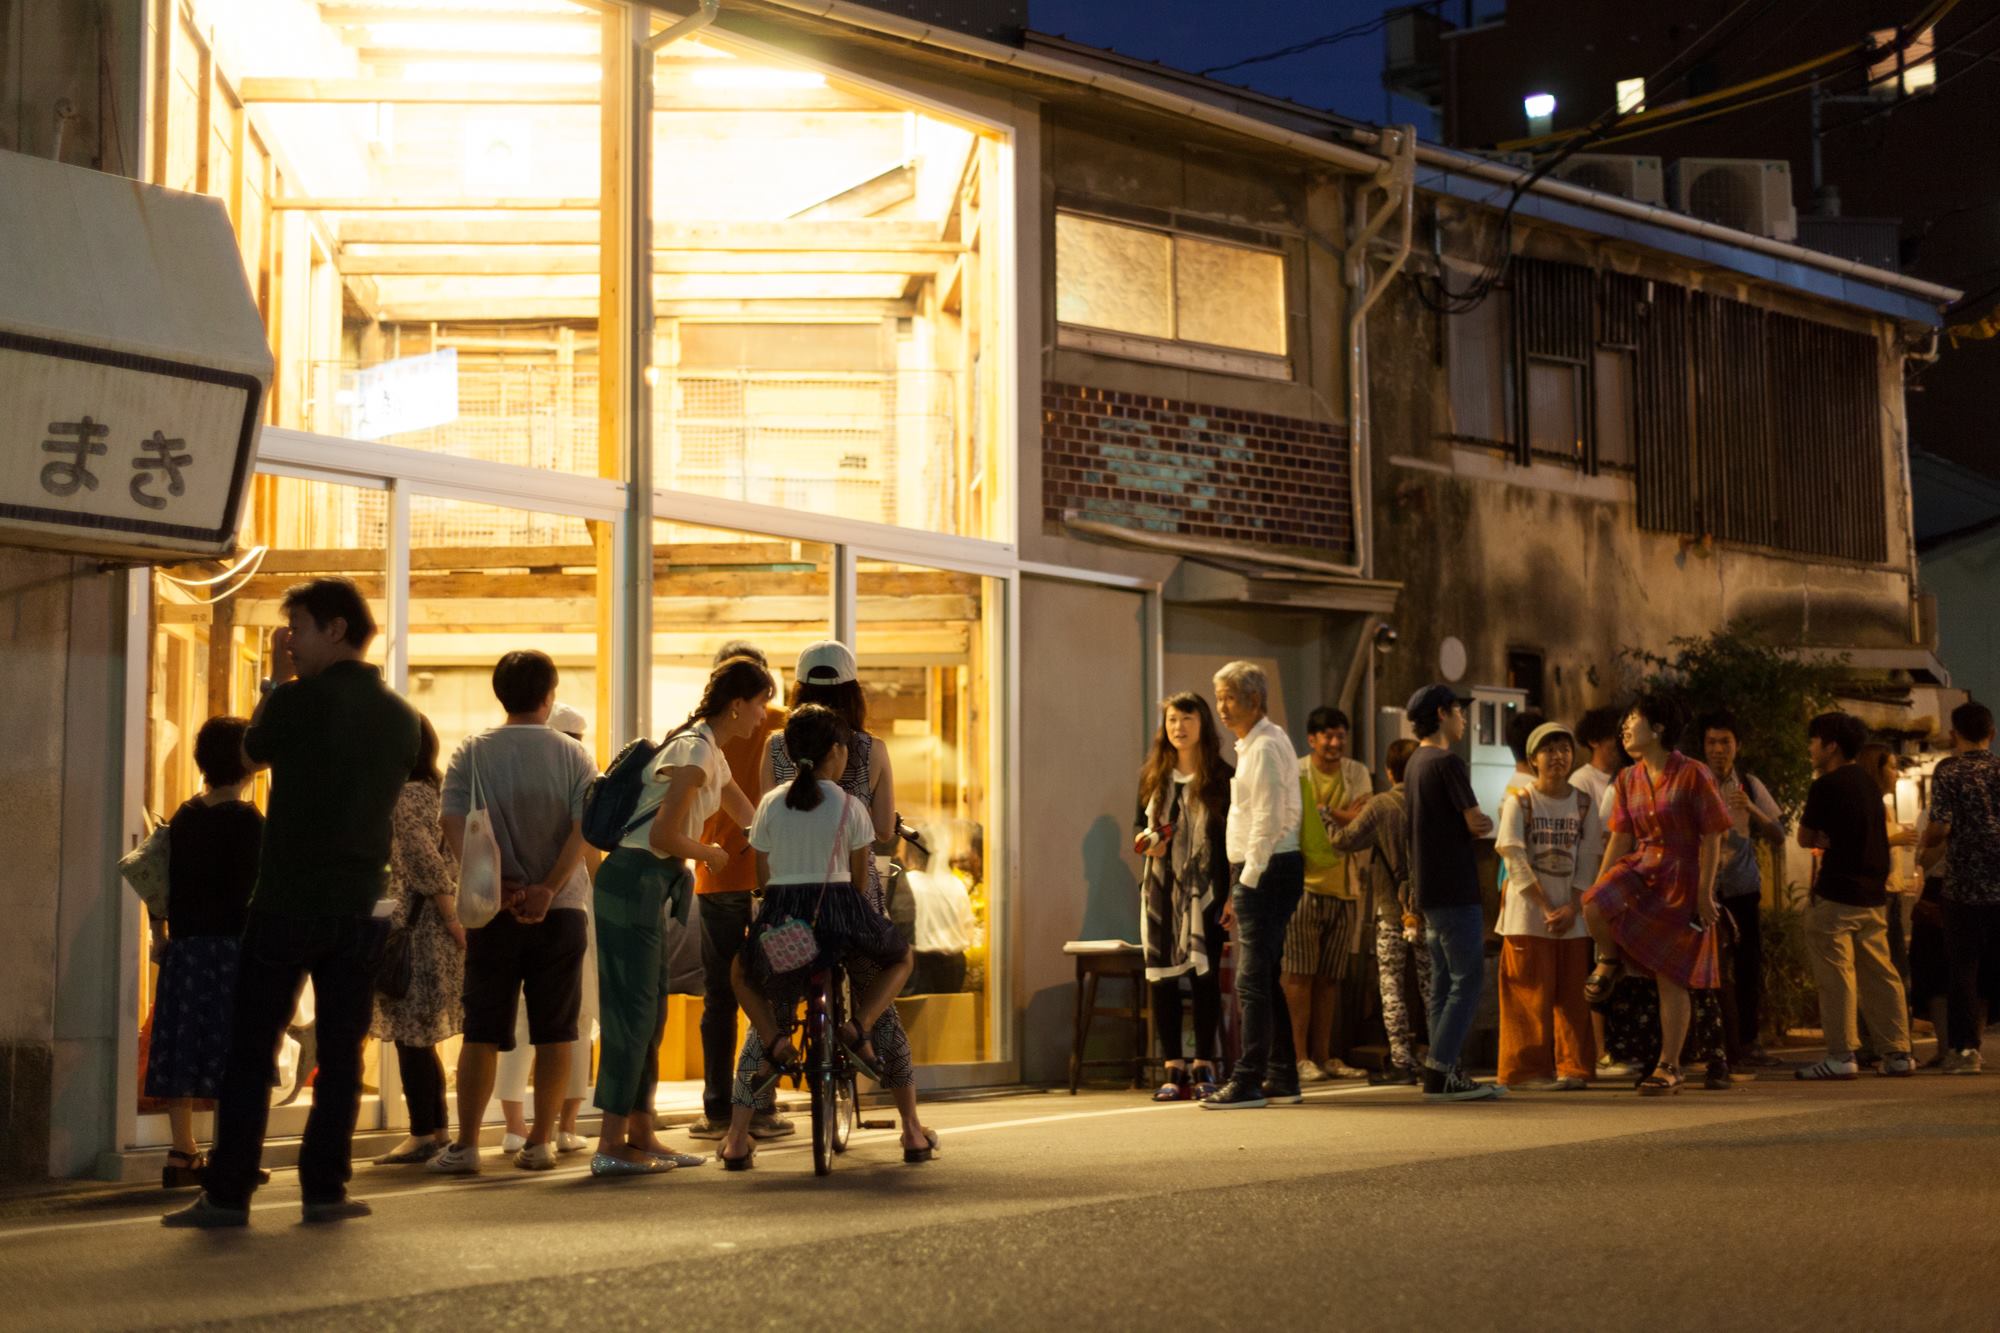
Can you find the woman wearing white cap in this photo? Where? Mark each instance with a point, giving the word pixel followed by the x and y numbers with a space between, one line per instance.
pixel 1548 832
pixel 826 675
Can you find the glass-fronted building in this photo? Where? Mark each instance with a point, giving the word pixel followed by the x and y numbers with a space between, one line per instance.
pixel 620 341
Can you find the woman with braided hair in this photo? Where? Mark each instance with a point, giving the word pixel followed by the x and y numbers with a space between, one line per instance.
pixel 688 781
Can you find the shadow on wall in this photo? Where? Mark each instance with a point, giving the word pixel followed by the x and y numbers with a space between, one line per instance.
pixel 1110 912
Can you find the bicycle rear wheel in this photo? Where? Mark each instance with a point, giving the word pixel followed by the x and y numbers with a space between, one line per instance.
pixel 820 1083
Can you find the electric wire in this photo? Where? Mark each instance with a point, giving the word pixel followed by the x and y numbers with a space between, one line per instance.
pixel 1299 48
pixel 1432 289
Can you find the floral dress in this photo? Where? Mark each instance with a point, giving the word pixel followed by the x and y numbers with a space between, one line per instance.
pixel 1649 897
pixel 433 1008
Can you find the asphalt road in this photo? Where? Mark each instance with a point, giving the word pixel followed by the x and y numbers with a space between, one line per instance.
pixel 1777 1205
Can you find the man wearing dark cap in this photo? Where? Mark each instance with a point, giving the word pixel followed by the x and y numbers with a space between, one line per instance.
pixel 1445 821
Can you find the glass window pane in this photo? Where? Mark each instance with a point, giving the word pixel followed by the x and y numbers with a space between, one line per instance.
pixel 1615 422
pixel 825 281
pixel 924 642
pixel 1555 418
pixel 1113 277
pixel 485 580
pixel 428 270
pixel 1229 296
pixel 1477 367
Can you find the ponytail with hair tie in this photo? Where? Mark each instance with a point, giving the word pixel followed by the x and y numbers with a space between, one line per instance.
pixel 811 732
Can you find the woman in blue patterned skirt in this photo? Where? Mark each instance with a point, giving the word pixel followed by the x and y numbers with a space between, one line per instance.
pixel 213 843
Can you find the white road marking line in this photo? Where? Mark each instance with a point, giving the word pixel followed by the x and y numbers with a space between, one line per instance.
pixel 486 1181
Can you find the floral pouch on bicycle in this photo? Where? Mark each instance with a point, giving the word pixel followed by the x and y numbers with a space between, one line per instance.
pixel 790 944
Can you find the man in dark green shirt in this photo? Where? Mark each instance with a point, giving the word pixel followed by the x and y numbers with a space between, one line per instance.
pixel 340 745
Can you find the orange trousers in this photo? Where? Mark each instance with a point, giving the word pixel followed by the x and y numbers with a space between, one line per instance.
pixel 1544 1022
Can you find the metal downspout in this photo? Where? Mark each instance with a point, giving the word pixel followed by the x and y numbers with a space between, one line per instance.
pixel 1400 187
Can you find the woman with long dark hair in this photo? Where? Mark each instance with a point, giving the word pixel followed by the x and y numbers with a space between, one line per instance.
pixel 827 676
pixel 1653 905
pixel 1183 811
pixel 426 884
pixel 815 844
pixel 688 782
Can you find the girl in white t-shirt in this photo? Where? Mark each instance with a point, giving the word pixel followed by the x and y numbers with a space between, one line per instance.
pixel 1550 839
pixel 647 876
pixel 814 844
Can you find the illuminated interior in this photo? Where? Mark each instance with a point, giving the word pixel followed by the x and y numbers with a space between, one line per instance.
pixel 421 191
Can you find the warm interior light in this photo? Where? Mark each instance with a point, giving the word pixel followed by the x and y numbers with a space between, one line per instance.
pixel 1631 96
pixel 1539 106
pixel 485 38
pixel 499 72
pixel 755 76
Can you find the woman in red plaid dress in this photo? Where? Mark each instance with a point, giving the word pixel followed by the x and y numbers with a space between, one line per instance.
pixel 1654 900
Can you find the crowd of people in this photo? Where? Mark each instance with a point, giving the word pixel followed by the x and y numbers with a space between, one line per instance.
pixel 1630 891
pixel 352 877
pixel 1629 921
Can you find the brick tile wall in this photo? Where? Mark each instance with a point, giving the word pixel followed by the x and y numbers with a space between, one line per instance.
pixel 1160 465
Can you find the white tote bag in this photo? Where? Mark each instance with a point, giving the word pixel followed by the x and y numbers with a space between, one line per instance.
pixel 479 863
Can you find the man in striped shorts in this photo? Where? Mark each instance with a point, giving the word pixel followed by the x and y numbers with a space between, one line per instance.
pixel 1324 942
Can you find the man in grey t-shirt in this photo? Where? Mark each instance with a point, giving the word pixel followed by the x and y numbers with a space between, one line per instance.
pixel 531 781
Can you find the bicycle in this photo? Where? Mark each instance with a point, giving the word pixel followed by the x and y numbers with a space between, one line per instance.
pixel 824 1066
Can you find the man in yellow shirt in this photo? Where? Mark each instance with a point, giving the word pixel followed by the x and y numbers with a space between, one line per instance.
pixel 1323 944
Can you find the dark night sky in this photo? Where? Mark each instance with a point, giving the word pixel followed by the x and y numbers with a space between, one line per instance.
pixel 1195 34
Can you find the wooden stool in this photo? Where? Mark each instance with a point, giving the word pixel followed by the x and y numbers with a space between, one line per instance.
pixel 1117 960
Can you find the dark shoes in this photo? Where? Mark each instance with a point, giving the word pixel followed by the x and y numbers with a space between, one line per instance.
pixel 206 1215
pixel 1235 1096
pixel 336 1210
pixel 1395 1075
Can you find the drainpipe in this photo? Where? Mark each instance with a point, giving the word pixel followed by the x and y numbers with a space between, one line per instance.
pixel 1400 191
pixel 680 28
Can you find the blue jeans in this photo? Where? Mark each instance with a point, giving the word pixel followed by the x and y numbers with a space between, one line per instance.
pixel 1457 937
pixel 1262 914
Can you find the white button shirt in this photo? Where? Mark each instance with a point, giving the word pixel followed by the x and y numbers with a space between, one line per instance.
pixel 1265 801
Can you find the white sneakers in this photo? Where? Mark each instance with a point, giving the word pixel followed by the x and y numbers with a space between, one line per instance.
pixel 511 1143
pixel 568 1141
pixel 455 1160
pixel 1312 1073
pixel 1967 1061
pixel 536 1157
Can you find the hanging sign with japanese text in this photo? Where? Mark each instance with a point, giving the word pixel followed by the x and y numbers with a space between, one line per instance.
pixel 133 367
pixel 129 450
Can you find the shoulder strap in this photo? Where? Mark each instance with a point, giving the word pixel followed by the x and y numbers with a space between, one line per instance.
pixel 472 772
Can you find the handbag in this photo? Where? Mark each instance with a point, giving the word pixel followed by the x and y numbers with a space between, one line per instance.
pixel 790 944
pixel 479 875
pixel 397 966
pixel 145 869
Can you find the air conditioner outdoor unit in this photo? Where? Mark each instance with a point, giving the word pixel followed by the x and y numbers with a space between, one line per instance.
pixel 1749 194
pixel 1629 176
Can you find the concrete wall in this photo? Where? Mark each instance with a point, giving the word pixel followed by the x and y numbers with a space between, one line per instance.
pixel 1085 721
pixel 62 678
pixel 1546 559
pixel 61 732
pixel 1963 576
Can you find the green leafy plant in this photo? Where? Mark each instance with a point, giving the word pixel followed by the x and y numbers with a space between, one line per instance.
pixel 1791 996
pixel 1773 695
